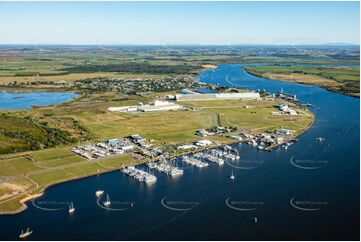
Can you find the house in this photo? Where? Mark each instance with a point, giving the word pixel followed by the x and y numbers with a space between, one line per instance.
pixel 203 133
pixel 186 147
pixel 203 143
pixel 283 107
pixel 285 131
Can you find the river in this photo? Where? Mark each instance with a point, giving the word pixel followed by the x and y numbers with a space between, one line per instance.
pixel 308 192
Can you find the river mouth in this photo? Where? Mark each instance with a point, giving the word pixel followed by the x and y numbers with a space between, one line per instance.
pixel 17 100
pixel 280 198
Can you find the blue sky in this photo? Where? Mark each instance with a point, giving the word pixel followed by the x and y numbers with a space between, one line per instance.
pixel 165 23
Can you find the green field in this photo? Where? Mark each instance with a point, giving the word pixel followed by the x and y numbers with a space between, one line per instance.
pixel 74 63
pixel 340 79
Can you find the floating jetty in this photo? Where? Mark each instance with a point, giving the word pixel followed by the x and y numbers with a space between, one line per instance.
pixel 218 156
pixel 139 175
pixel 165 167
pixel 227 153
pixel 210 157
pixel 194 162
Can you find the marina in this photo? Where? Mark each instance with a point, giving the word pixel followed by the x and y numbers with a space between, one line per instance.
pixel 166 167
pixel 139 175
pixel 194 161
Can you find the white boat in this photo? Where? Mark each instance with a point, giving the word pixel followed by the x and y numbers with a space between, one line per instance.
pixel 232 177
pixel 150 179
pixel 71 208
pixel 107 202
pixel 99 193
pixel 175 172
pixel 320 139
pixel 26 234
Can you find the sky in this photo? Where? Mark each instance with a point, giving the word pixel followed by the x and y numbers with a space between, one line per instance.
pixel 169 23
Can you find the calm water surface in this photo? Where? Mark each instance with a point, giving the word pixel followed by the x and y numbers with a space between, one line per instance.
pixel 270 199
pixel 26 100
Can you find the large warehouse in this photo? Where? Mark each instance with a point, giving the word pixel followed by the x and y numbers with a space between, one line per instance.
pixel 157 106
pixel 220 96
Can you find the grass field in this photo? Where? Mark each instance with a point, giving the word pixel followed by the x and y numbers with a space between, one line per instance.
pixel 234 113
pixel 340 79
pixel 17 166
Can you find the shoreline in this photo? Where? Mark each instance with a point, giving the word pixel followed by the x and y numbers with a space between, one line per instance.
pixel 42 191
pixel 218 144
pixel 206 67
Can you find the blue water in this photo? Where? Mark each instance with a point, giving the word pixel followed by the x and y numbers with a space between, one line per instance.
pixel 263 192
pixel 26 100
pixel 204 90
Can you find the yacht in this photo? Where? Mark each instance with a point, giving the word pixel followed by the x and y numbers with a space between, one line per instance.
pixel 71 208
pixel 150 179
pixel 175 172
pixel 26 234
pixel 320 139
pixel 232 176
pixel 99 193
pixel 107 202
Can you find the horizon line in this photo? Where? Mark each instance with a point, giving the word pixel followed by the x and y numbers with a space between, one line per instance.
pixel 195 44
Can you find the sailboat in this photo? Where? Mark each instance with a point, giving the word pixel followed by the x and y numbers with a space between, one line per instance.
pixel 232 176
pixel 26 234
pixel 98 193
pixel 320 139
pixel 107 202
pixel 71 208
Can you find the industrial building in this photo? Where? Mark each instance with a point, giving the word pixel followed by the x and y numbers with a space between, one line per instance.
pixel 157 106
pixel 218 96
pixel 203 143
pixel 285 110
